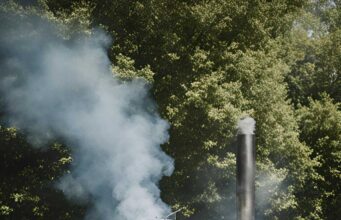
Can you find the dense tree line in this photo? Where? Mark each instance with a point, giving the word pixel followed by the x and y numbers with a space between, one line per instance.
pixel 209 63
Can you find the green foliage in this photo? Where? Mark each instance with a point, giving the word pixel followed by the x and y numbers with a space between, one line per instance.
pixel 29 174
pixel 210 63
pixel 320 123
pixel 125 69
pixel 315 48
pixel 27 182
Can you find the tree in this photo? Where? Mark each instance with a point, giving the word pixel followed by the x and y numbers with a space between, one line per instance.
pixel 29 173
pixel 27 188
pixel 320 125
pixel 315 50
pixel 213 62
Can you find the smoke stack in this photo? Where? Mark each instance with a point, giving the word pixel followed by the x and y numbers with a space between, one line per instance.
pixel 246 167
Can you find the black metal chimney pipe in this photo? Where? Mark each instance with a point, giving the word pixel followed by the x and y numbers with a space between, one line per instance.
pixel 246 167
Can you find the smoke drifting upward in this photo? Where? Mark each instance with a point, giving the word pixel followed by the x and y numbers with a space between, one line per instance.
pixel 55 88
pixel 246 125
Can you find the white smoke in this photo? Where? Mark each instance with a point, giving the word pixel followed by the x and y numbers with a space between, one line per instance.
pixel 246 125
pixel 54 88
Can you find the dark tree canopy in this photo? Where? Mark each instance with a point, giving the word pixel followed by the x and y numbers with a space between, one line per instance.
pixel 209 63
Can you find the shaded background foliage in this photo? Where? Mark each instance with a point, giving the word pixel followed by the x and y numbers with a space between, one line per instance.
pixel 209 63
pixel 27 182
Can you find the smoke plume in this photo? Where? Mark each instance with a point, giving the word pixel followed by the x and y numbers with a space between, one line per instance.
pixel 246 125
pixel 56 88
